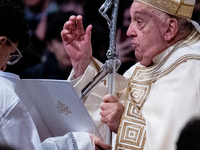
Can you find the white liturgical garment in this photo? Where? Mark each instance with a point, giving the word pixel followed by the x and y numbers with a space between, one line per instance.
pixel 166 94
pixel 18 131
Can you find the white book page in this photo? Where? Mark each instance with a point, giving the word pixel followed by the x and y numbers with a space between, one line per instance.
pixel 59 108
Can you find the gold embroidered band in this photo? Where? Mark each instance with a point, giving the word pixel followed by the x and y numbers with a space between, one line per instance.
pixel 131 134
pixel 181 9
pixel 132 130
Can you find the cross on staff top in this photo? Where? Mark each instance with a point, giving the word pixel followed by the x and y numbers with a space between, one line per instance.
pixel 111 53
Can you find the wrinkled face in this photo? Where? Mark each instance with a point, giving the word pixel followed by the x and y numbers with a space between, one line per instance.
pixel 147 29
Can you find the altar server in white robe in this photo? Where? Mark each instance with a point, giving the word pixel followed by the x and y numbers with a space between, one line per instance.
pixel 17 129
pixel 161 92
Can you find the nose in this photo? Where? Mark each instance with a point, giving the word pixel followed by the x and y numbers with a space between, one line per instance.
pixel 131 32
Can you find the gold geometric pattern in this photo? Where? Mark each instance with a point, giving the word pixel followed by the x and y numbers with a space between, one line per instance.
pixel 131 133
pixel 138 93
pixel 172 7
pixel 133 112
pixel 133 124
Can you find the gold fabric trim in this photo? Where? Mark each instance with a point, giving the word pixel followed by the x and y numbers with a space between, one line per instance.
pixel 171 7
pixel 131 133
pixel 134 132
pixel 185 11
pixel 151 74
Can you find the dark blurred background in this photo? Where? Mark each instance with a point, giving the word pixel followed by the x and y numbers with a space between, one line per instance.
pixel 46 58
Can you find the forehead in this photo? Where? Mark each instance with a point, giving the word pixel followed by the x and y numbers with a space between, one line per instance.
pixel 138 8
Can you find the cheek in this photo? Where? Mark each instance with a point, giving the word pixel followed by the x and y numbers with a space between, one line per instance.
pixel 147 47
pixel 144 43
pixel 149 40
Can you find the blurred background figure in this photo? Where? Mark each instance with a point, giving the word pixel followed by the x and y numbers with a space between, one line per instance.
pixel 100 31
pixel 189 138
pixel 36 12
pixel 36 54
pixel 55 63
pixel 123 42
pixel 71 5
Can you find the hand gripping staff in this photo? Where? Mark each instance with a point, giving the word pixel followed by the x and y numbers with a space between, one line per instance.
pixel 113 63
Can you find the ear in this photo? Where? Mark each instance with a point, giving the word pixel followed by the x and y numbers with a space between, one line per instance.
pixel 172 29
pixel 3 39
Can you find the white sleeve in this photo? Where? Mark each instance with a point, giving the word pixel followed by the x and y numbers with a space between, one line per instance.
pixel 95 98
pixel 80 82
pixel 70 141
pixel 18 131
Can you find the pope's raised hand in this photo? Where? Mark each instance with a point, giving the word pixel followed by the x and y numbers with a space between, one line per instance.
pixel 77 43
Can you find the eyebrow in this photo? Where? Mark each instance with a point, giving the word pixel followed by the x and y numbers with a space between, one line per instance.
pixel 143 12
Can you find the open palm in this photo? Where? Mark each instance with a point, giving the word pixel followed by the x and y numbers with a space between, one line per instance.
pixel 77 43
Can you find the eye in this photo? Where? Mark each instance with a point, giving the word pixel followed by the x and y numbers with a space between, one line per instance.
pixel 140 23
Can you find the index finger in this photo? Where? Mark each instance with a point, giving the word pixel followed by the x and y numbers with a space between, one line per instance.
pixel 79 22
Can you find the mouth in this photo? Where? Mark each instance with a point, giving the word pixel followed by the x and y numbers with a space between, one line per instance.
pixel 134 45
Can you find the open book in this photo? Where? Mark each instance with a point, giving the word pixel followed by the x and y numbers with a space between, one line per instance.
pixel 54 105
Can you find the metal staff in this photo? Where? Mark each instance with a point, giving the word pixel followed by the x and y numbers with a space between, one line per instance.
pixel 112 64
pixel 111 53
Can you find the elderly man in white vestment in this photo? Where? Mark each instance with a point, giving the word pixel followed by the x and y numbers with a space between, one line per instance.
pixel 157 96
pixel 17 129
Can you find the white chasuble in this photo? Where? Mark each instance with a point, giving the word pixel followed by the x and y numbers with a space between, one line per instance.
pixel 132 132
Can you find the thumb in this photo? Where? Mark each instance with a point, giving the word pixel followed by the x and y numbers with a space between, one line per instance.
pixel 88 32
pixel 99 143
